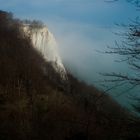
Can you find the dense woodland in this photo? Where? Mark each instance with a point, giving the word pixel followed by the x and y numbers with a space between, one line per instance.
pixel 38 105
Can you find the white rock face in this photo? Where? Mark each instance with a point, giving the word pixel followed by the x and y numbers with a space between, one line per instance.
pixel 44 41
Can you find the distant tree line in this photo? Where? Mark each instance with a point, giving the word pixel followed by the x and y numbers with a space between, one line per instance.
pixel 34 23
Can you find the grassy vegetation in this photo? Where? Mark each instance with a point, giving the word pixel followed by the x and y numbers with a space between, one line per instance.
pixel 39 106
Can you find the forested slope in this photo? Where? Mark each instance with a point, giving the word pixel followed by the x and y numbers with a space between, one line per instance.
pixel 38 105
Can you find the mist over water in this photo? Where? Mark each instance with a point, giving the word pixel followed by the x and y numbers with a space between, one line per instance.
pixel 82 47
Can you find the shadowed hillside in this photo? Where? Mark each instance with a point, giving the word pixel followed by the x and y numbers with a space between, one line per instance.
pixel 36 104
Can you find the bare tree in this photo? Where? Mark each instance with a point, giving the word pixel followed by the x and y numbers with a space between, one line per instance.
pixel 129 50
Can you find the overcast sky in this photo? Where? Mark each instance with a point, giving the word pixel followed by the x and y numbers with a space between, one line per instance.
pixel 81 27
pixel 85 11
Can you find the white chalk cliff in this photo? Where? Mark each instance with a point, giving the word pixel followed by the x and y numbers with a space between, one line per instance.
pixel 44 41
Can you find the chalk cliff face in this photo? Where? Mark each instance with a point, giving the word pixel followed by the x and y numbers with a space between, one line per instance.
pixel 44 41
